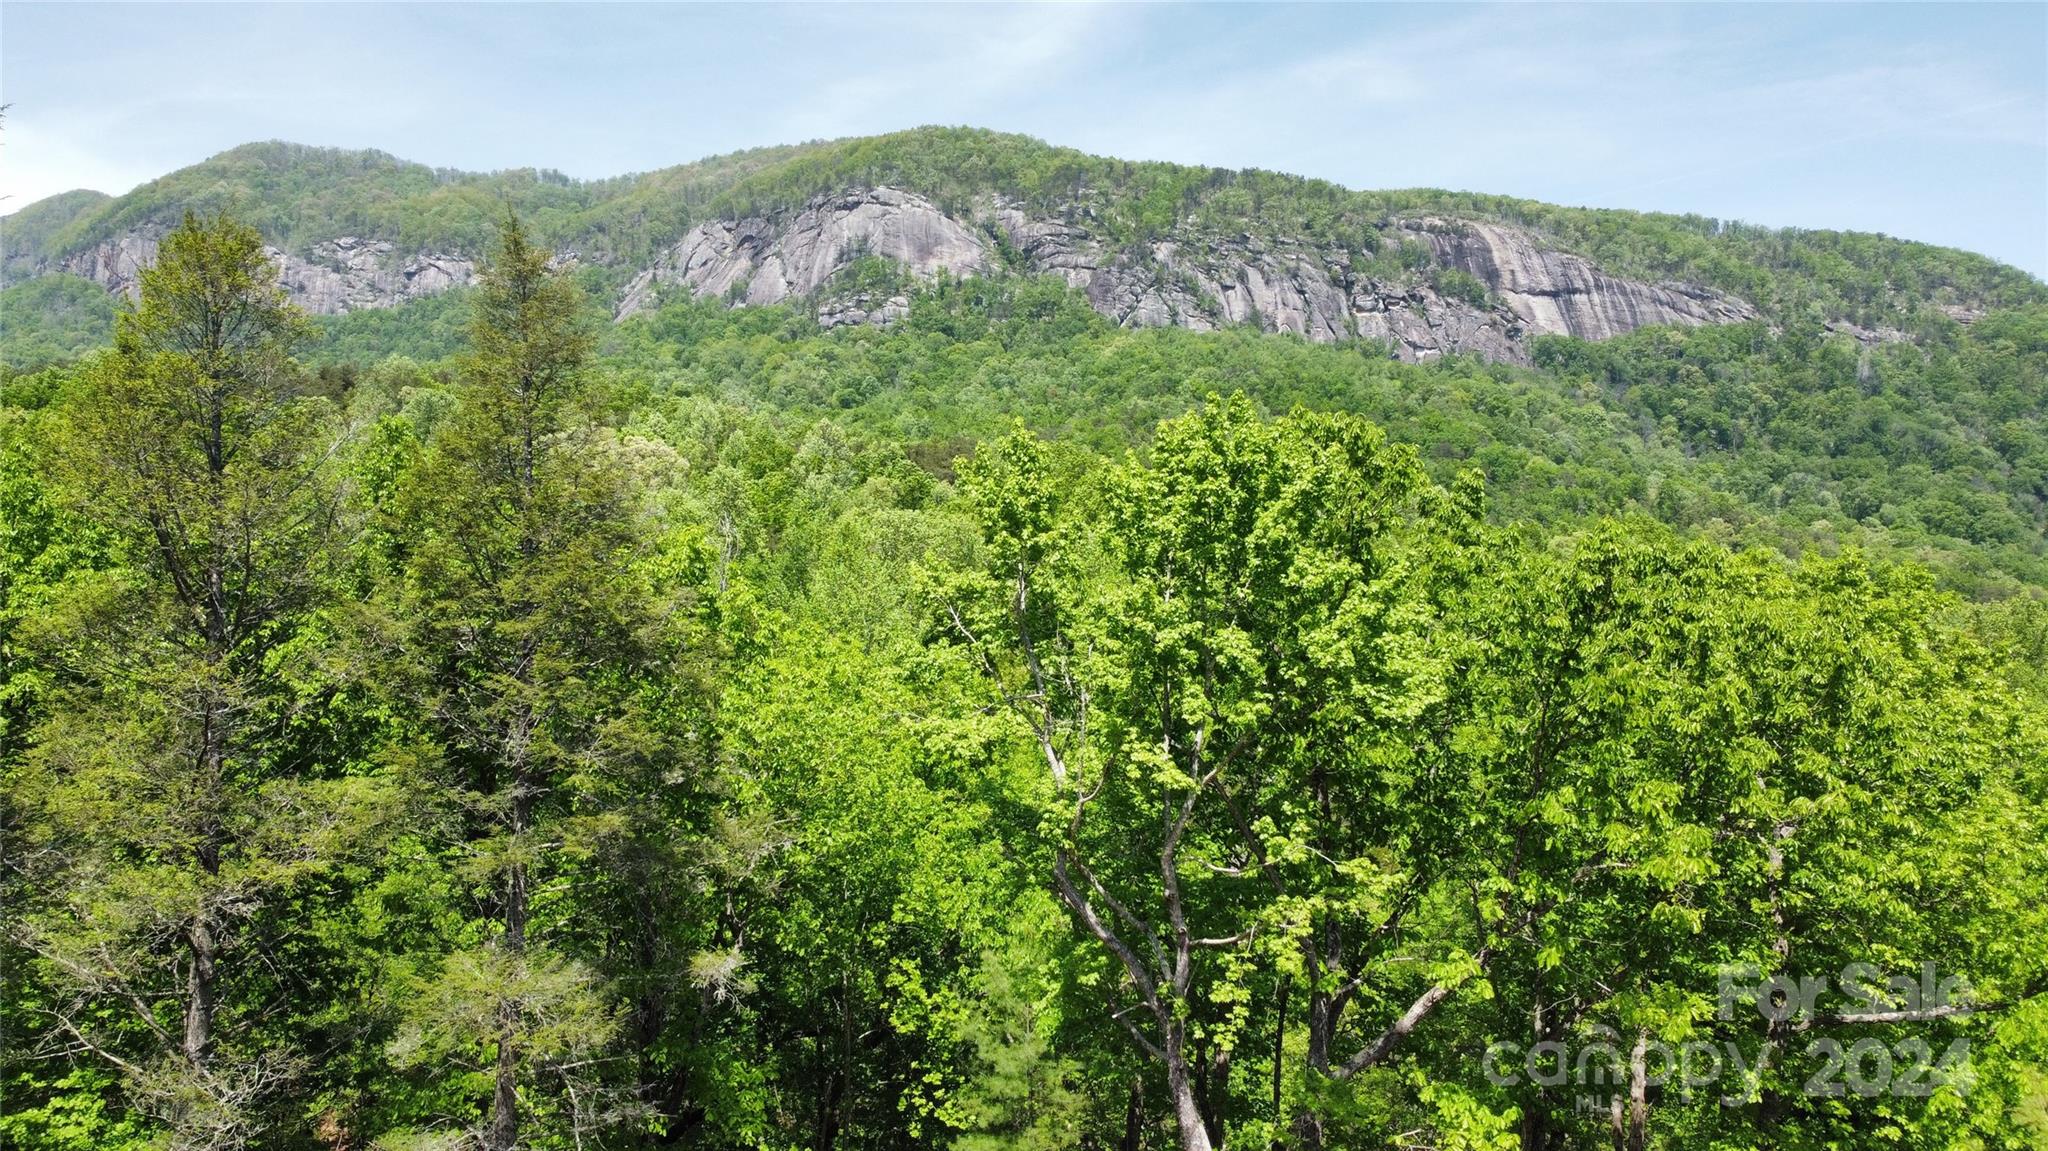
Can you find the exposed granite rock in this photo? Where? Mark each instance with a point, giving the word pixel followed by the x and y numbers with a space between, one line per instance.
pixel 767 260
pixel 1882 334
pixel 117 264
pixel 1134 292
pixel 1420 324
pixel 863 309
pixel 1285 286
pixel 348 274
pixel 1558 292
pixel 1188 279
pixel 341 275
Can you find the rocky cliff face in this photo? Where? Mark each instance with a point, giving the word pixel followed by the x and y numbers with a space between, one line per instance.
pixel 766 261
pixel 1190 280
pixel 1513 286
pixel 344 274
pixel 115 265
pixel 1558 292
pixel 349 274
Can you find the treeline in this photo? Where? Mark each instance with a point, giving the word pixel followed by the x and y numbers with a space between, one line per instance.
pixel 541 754
pixel 299 196
pixel 1792 274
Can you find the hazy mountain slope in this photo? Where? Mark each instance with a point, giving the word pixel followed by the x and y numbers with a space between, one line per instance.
pixel 28 234
pixel 849 227
pixel 301 196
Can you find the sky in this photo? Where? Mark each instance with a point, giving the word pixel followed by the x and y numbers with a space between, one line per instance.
pixel 1923 121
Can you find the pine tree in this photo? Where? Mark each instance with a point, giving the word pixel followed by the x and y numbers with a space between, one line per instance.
pixel 161 819
pixel 533 625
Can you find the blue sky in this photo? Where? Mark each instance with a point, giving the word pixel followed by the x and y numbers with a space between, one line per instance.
pixel 1924 121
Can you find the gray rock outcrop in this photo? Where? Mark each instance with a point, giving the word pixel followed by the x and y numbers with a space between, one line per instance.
pixel 341 275
pixel 1189 280
pixel 116 264
pixel 863 309
pixel 348 274
pixel 766 260
pixel 1504 285
pixel 1553 291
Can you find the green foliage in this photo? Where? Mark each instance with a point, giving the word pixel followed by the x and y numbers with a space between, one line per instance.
pixel 1458 284
pixel 1940 438
pixel 530 686
pixel 30 232
pixel 1789 272
pixel 165 813
pixel 1000 731
pixel 429 329
pixel 298 196
pixel 1928 452
pixel 52 319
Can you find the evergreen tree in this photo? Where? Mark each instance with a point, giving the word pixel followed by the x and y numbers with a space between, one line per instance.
pixel 532 626
pixel 164 815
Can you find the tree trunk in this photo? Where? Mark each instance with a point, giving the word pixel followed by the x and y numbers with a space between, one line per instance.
pixel 1536 1102
pixel 1180 1088
pixel 1321 956
pixel 504 1129
pixel 832 1115
pixel 1134 1117
pixel 1216 1093
pixel 199 942
pixel 828 1110
pixel 1308 1124
pixel 1639 1095
pixel 1308 1130
pixel 199 991
pixel 652 1005
pixel 1279 1051
pixel 1535 1121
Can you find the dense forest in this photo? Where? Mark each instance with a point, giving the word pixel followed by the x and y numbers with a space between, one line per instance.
pixel 1888 396
pixel 478 724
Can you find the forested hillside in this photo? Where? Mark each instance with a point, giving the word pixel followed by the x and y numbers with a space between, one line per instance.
pixel 491 722
pixel 1935 451
pixel 1153 243
pixel 296 195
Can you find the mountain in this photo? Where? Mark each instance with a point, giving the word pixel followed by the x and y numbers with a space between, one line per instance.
pixel 850 228
pixel 29 233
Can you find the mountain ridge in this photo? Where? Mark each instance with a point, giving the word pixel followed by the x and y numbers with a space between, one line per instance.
pixel 1425 271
